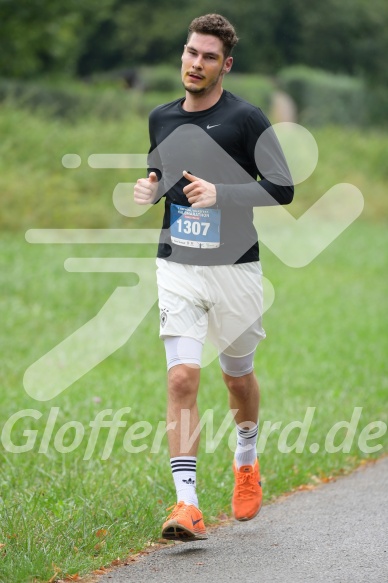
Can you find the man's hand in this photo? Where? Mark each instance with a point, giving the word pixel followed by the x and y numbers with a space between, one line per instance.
pixel 199 193
pixel 146 189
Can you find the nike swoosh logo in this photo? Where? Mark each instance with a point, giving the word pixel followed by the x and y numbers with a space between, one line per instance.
pixel 210 127
pixel 196 521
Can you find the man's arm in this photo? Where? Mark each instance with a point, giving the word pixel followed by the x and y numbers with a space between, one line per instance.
pixel 264 151
pixel 154 163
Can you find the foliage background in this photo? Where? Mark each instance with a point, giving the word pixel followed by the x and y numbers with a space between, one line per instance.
pixel 82 77
pixel 42 37
pixel 116 42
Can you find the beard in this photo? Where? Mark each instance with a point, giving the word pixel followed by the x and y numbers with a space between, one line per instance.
pixel 195 90
pixel 199 90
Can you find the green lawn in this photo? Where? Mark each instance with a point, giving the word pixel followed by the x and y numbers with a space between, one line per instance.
pixel 325 349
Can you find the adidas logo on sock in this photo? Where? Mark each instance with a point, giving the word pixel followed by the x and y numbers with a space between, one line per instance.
pixel 189 481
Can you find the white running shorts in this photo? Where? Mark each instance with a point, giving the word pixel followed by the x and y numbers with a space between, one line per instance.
pixel 221 302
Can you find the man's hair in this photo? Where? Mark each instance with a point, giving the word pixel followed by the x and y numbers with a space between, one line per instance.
pixel 218 26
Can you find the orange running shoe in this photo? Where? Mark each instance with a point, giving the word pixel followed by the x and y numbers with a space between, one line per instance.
pixel 247 495
pixel 185 523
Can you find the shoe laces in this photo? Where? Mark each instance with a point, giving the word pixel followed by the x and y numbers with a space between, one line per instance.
pixel 246 484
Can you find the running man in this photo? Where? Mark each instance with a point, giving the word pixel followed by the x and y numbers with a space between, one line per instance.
pixel 205 159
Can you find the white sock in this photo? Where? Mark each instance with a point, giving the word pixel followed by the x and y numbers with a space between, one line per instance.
pixel 184 474
pixel 246 452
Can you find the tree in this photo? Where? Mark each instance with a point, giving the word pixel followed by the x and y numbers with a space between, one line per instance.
pixel 40 36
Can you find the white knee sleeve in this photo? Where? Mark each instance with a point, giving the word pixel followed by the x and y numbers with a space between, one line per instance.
pixel 237 366
pixel 182 350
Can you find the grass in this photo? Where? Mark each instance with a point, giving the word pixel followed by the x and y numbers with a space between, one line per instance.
pixel 325 348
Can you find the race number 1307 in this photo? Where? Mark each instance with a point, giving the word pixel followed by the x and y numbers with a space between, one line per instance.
pixel 192 227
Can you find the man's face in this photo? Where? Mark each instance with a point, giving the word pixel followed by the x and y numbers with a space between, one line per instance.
pixel 203 63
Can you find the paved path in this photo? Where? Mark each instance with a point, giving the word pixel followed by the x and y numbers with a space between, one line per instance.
pixel 336 532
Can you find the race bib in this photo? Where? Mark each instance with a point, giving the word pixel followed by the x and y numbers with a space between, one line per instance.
pixel 195 227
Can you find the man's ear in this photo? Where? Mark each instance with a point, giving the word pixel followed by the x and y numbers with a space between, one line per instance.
pixel 228 64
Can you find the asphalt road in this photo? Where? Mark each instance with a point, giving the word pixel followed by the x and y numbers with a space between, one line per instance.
pixel 336 532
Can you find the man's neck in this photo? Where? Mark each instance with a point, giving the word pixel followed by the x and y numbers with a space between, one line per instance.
pixel 200 102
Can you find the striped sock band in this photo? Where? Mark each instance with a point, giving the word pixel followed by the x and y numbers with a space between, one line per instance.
pixel 246 453
pixel 181 464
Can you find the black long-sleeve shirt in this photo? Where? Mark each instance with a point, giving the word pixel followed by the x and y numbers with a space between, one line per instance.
pixel 229 145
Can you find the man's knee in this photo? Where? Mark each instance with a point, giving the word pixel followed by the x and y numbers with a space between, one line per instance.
pixel 183 381
pixel 238 385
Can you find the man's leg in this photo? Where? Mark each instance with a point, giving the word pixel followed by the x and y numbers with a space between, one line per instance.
pixel 244 396
pixel 185 522
pixel 182 390
pixel 183 418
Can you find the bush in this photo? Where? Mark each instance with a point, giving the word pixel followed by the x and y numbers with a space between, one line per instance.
pixel 104 96
pixel 256 89
pixel 324 98
pixel 69 100
pixel 377 101
pixel 161 79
